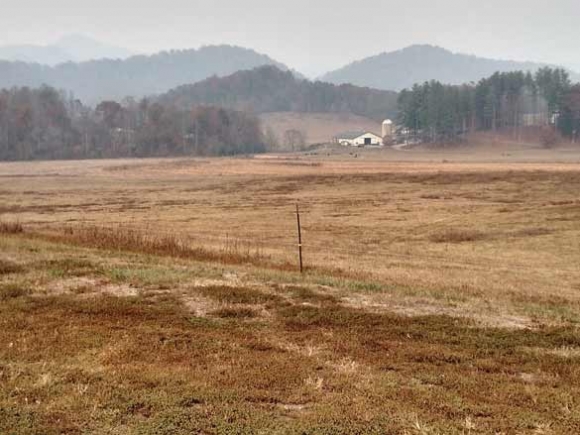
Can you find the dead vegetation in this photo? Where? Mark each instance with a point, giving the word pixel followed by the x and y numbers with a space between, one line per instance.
pixel 9 267
pixel 440 299
pixel 7 227
pixel 238 295
pixel 122 238
pixel 457 236
pixel 144 364
pixel 12 291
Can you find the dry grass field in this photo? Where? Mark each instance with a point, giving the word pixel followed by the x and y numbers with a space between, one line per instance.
pixel 318 127
pixel 441 294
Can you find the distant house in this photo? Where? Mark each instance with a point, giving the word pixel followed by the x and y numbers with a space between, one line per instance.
pixel 359 139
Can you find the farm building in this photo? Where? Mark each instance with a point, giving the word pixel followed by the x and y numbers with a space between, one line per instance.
pixel 359 139
pixel 388 128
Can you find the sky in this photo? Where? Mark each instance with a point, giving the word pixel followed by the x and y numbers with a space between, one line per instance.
pixel 312 36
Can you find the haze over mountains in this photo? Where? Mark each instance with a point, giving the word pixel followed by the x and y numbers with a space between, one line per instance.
pixel 419 63
pixel 137 76
pixel 70 48
pixel 94 71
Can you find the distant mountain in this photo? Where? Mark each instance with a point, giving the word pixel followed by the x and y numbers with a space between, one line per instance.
pixel 82 48
pixel 268 89
pixel 136 76
pixel 420 63
pixel 45 55
pixel 71 48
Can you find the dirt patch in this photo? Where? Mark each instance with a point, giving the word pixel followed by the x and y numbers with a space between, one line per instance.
pixel 86 286
pixel 423 307
pixel 199 305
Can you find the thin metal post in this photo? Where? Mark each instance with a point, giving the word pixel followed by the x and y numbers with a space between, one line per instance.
pixel 299 238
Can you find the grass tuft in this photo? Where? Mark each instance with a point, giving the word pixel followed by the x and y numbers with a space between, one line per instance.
pixel 12 291
pixel 238 295
pixel 457 236
pixel 8 267
pixel 11 227
pixel 235 313
pixel 305 294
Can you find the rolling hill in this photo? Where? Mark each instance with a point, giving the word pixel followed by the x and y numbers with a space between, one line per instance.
pixel 419 63
pixel 317 127
pixel 268 89
pixel 136 76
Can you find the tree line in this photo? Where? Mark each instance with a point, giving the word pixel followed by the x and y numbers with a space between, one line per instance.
pixel 508 101
pixel 44 123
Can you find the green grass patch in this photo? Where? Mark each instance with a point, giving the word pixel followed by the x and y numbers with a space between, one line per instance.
pixel 70 267
pixel 305 294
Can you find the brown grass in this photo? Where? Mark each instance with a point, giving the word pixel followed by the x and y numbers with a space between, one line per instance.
pixel 9 267
pixel 235 313
pixel 478 259
pixel 11 227
pixel 122 238
pixel 139 365
pixel 457 236
pixel 12 291
pixel 238 295
pixel 421 228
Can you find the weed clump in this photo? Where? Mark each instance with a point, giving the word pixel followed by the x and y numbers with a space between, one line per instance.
pixel 307 295
pixel 8 267
pixel 235 313
pixel 12 291
pixel 238 295
pixel 457 236
pixel 11 228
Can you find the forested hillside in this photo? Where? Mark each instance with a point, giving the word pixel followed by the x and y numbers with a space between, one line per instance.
pixel 43 124
pixel 443 113
pixel 421 63
pixel 268 89
pixel 137 76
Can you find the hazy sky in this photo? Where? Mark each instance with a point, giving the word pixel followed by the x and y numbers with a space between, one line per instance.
pixel 310 35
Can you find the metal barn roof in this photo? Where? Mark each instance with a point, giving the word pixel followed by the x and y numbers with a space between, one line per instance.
pixel 350 135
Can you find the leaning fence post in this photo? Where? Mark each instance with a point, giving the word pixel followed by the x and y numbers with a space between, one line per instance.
pixel 299 238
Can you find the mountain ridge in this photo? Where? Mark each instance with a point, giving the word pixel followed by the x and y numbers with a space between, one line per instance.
pixel 68 48
pixel 138 76
pixel 418 63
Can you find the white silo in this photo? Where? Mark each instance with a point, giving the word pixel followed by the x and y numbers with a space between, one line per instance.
pixel 387 128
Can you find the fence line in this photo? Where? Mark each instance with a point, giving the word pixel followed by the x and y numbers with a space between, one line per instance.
pixel 319 246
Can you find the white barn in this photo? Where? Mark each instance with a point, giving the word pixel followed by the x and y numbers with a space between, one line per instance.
pixel 359 139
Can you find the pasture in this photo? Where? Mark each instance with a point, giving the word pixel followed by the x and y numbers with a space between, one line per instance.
pixel 441 294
